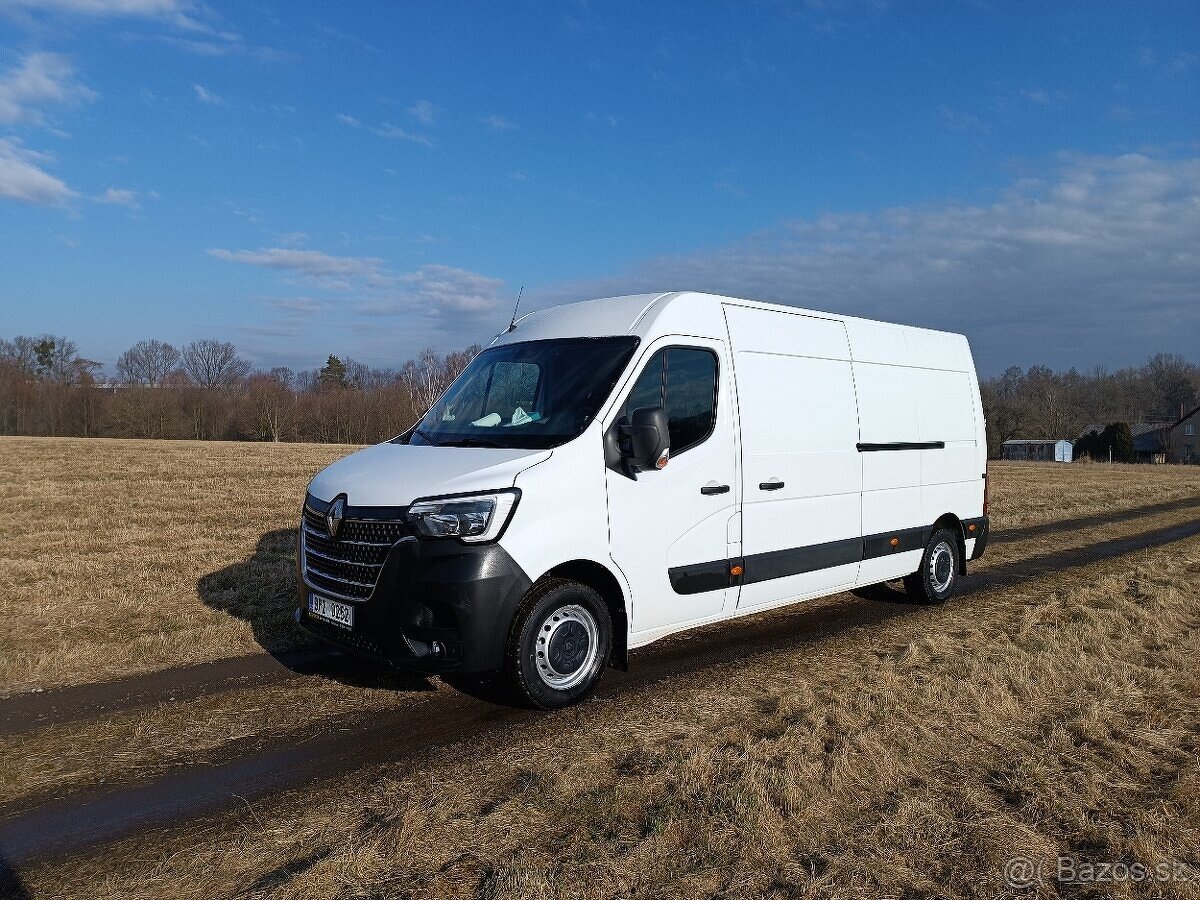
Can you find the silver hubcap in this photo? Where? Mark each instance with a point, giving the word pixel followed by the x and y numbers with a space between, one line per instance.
pixel 568 641
pixel 941 567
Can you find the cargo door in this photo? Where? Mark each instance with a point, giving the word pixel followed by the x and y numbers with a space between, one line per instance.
pixel 801 472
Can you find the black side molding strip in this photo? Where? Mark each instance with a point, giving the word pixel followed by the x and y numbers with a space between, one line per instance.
pixel 701 577
pixel 717 575
pixel 797 560
pixel 902 445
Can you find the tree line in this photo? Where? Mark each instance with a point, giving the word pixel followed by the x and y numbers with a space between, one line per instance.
pixel 1038 403
pixel 208 391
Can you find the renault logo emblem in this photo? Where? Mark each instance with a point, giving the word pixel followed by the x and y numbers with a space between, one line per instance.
pixel 334 516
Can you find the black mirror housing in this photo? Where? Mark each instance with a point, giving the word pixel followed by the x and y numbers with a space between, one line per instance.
pixel 649 438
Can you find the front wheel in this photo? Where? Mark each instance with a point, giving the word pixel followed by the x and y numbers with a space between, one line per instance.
pixel 935 581
pixel 560 644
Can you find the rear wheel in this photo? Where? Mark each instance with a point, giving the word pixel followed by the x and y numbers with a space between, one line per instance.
pixel 935 581
pixel 560 644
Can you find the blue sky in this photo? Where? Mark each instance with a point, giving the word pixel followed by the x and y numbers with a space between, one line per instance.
pixel 370 179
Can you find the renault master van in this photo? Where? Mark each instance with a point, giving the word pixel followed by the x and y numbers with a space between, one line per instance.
pixel 610 472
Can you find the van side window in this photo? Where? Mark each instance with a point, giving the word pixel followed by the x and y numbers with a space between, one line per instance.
pixel 683 381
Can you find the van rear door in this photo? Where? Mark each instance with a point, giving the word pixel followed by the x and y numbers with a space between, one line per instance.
pixel 801 472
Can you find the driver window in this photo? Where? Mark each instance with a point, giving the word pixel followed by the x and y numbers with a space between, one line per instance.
pixel 683 380
pixel 511 394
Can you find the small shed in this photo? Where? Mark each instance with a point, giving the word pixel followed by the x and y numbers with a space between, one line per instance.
pixel 1038 451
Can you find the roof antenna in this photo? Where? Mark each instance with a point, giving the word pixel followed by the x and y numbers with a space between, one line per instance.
pixel 512 326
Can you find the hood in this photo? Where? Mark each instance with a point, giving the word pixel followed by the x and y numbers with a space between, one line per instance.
pixel 397 474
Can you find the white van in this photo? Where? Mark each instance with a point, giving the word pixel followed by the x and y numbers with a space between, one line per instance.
pixel 614 471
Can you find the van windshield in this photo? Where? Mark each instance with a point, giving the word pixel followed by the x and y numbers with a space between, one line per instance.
pixel 533 395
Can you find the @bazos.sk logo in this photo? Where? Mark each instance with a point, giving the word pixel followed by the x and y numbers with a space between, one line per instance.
pixel 1021 872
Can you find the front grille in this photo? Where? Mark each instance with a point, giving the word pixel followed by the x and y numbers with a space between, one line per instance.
pixel 349 566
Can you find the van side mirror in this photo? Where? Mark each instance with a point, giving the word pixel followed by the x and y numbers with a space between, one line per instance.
pixel 649 440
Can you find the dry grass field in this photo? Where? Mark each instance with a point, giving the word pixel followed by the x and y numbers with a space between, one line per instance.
pixel 899 751
pixel 110 544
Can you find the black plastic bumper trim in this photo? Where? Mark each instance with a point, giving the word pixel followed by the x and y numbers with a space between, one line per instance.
pixel 463 596
pixel 981 532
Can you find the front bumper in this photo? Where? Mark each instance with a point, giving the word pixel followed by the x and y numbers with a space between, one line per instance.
pixel 438 606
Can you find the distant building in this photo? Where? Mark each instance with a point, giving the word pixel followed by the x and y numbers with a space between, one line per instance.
pixel 1149 440
pixel 1182 441
pixel 1037 451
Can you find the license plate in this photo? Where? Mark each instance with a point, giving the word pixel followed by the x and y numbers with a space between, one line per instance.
pixel 331 611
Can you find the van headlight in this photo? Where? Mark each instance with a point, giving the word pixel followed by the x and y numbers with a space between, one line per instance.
pixel 474 518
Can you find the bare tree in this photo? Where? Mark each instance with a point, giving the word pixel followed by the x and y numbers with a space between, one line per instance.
pixel 20 354
pixel 458 360
pixel 1173 380
pixel 214 364
pixel 147 362
pixel 268 408
pixel 57 360
pixel 425 379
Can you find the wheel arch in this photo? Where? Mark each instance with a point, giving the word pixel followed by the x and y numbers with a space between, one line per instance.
pixel 954 523
pixel 602 580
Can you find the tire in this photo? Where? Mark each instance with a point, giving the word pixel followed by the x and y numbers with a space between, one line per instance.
pixel 560 644
pixel 937 578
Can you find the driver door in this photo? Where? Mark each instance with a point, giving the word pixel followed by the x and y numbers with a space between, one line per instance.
pixel 674 532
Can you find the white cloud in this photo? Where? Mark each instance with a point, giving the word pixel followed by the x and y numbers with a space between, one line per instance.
pixel 399 134
pixel 441 299
pixel 296 306
pixel 498 123
pixel 224 44
pixel 424 112
pixel 392 132
pixel 1095 262
pixel 442 290
pixel 22 179
pixel 432 289
pixel 960 121
pixel 120 197
pixel 312 263
pixel 40 79
pixel 179 13
pixel 206 96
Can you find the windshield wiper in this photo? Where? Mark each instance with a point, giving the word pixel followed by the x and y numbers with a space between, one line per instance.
pixel 420 433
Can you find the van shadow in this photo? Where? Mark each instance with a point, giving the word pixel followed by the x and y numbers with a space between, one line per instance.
pixel 11 887
pixel 887 592
pixel 261 591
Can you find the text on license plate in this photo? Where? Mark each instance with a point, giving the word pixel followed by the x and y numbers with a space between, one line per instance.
pixel 331 611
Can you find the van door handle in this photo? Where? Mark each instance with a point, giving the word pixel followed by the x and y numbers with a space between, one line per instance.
pixel 713 488
pixel 773 485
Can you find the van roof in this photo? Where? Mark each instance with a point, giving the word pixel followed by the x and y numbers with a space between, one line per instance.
pixel 635 314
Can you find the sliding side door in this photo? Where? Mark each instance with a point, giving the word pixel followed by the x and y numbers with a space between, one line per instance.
pixel 801 472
